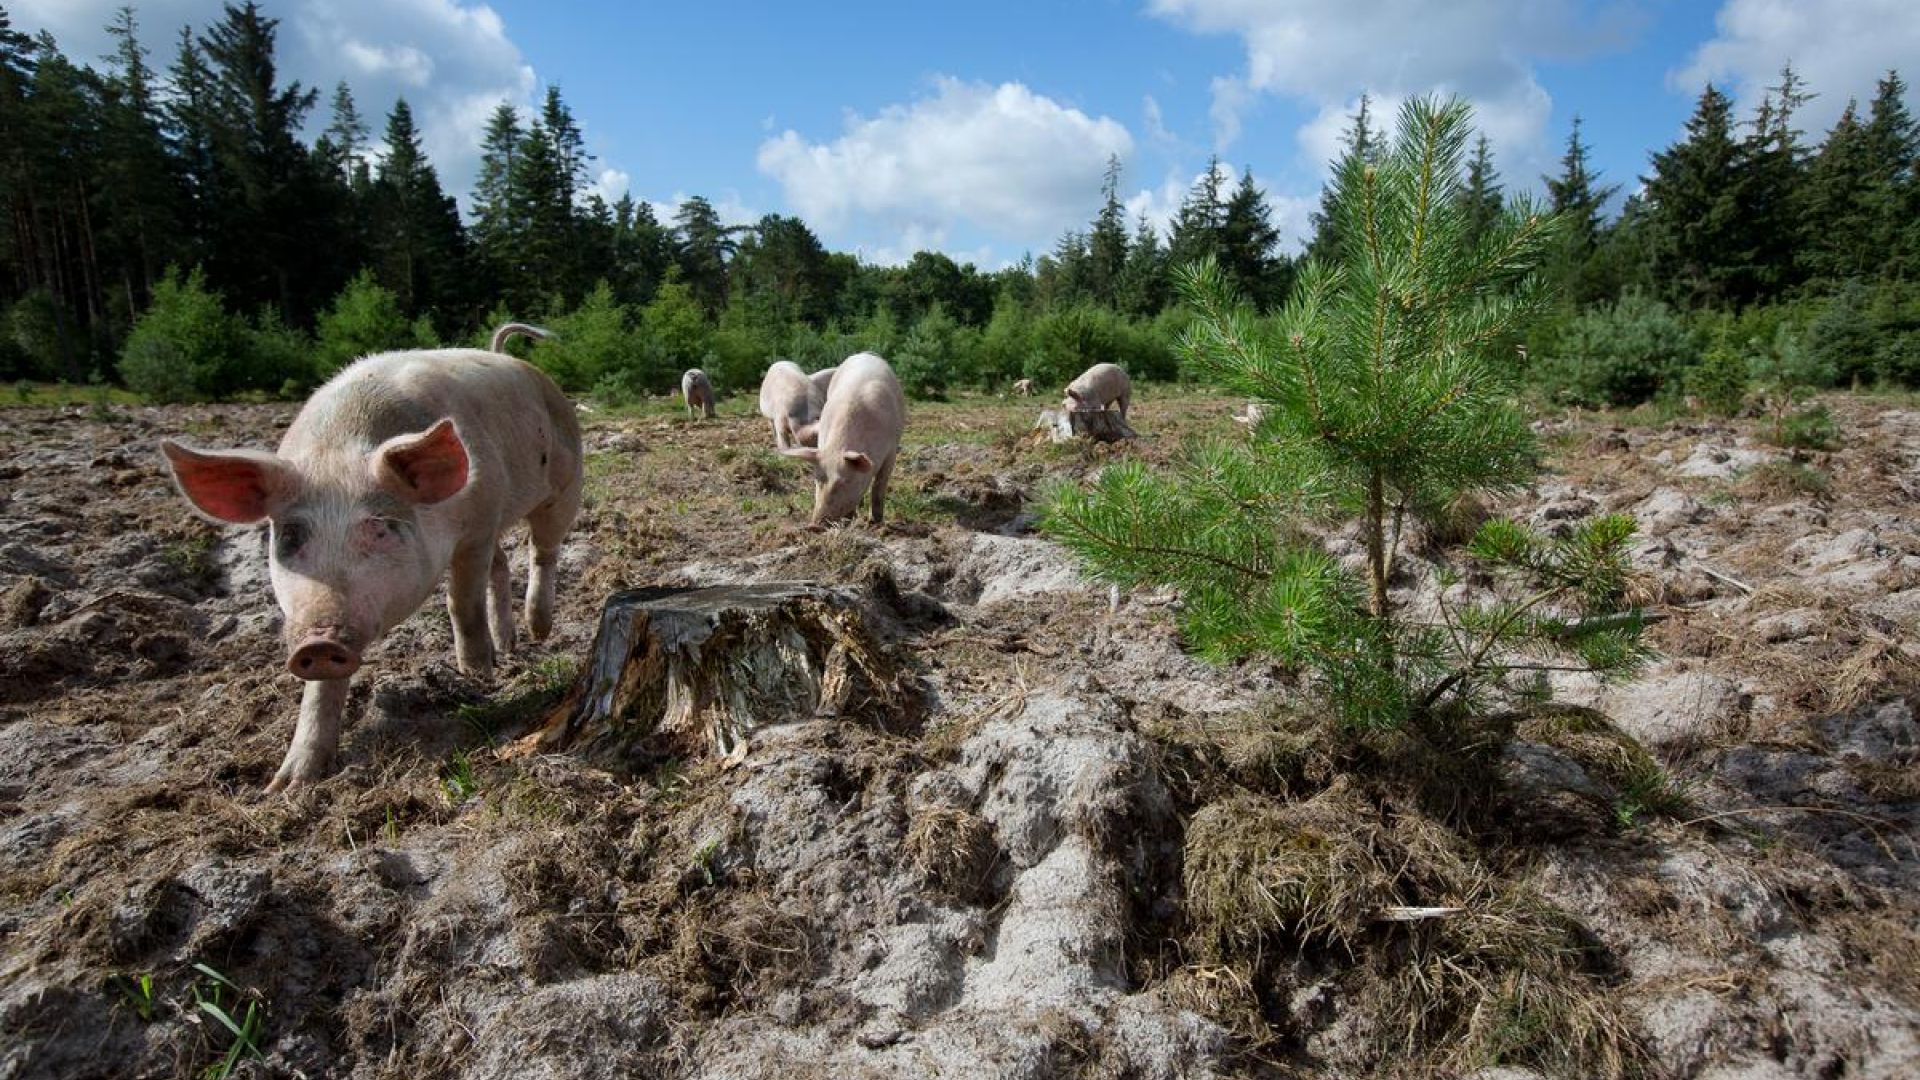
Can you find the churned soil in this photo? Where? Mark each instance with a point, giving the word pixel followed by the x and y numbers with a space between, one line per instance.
pixel 1004 887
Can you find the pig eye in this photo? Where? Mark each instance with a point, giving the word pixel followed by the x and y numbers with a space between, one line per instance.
pixel 288 537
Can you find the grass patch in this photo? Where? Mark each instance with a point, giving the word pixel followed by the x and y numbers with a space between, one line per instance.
pixel 1783 480
pixel 1811 428
pixel 239 1018
pixel 1641 785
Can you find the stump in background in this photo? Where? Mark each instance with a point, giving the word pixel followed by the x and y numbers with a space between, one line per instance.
pixel 1100 425
pixel 689 671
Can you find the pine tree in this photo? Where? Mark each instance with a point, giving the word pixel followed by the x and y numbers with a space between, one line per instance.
pixel 1389 391
pixel 540 209
pixel 1480 199
pixel 1693 202
pixel 1891 142
pixel 1360 143
pixel 493 222
pixel 1107 241
pixel 139 180
pixel 704 248
pixel 1772 177
pixel 343 146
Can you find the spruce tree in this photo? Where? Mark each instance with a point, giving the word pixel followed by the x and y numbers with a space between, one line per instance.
pixel 1246 247
pixel 418 246
pixel 1481 200
pixel 1772 193
pixel 705 245
pixel 1196 226
pixel 1360 143
pixel 1693 201
pixel 1841 235
pixel 1577 197
pixel 1389 381
pixel 1107 241
pixel 1891 143
pixel 1143 283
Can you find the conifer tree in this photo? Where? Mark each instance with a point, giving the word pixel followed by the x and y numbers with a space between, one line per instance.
pixel 418 246
pixel 1577 197
pixel 1360 144
pixel 1246 245
pixel 1143 283
pixel 1480 199
pixel 1107 241
pixel 1388 379
pixel 1891 143
pixel 1839 205
pixel 705 245
pixel 1196 226
pixel 1693 200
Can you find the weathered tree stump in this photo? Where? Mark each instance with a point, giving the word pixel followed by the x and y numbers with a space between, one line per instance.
pixel 1100 425
pixel 692 671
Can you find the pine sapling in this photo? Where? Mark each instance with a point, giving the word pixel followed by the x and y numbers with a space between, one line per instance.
pixel 1388 384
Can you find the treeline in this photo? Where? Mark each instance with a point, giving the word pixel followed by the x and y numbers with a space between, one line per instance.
pixel 173 231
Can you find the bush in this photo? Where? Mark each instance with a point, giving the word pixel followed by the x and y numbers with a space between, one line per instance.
pixel 1720 382
pixel 185 347
pixel 279 358
pixel 1068 341
pixel 933 355
pixel 589 343
pixel 676 329
pixel 35 345
pixel 1811 428
pixel 1622 354
pixel 364 319
pixel 1841 338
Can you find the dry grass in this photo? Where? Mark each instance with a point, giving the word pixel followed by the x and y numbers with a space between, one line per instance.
pixel 952 849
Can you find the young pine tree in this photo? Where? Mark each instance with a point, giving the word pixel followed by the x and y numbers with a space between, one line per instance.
pixel 1388 380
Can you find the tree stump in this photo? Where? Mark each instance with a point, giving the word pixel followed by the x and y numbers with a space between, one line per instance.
pixel 1100 425
pixel 676 671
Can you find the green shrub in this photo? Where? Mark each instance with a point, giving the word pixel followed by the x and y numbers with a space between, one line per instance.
pixel 933 354
pixel 1068 341
pixel 589 343
pixel 1720 381
pixel 676 328
pixel 185 346
pixel 1811 428
pixel 1842 338
pixel 364 319
pixel 35 345
pixel 1622 354
pixel 279 358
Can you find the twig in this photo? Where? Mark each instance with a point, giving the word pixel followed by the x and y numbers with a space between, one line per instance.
pixel 1718 576
pixel 1416 914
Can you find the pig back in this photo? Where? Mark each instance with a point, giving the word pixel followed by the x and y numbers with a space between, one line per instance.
pixel 519 429
pixel 784 392
pixel 866 411
pixel 1101 384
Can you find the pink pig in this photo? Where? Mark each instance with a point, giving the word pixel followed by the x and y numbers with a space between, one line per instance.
pixel 1099 386
pixel 402 467
pixel 784 396
pixel 858 439
pixel 697 391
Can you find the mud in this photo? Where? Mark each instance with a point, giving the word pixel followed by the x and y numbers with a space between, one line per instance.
pixel 993 892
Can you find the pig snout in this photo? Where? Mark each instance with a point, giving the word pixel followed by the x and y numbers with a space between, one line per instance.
pixel 324 653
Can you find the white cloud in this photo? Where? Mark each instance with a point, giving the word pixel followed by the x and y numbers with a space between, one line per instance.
pixel 1324 53
pixel 728 208
pixel 1012 164
pixel 1841 48
pixel 451 59
pixel 611 184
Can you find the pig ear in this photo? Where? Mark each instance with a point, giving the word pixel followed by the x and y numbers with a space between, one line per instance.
pixel 1072 393
pixel 425 468
pixel 237 486
pixel 804 453
pixel 858 461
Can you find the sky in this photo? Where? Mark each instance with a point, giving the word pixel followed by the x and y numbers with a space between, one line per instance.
pixel 982 129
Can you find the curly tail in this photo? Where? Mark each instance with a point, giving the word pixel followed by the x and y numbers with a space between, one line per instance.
pixel 513 330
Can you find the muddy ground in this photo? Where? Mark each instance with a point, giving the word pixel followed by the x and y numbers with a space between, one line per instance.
pixel 995 889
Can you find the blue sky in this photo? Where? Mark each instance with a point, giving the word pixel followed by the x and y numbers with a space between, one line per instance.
pixel 982 128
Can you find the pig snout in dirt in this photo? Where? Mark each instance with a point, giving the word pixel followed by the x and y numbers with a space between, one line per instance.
pixel 784 396
pixel 697 390
pixel 1098 387
pixel 858 440
pixel 404 469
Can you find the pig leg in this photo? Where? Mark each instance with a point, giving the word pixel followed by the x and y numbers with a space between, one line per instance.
pixel 316 735
pixel 780 434
pixel 467 608
pixel 500 602
pixel 548 524
pixel 878 496
pixel 1123 399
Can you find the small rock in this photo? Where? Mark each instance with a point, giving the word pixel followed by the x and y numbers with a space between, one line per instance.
pixel 1788 625
pixel 1667 509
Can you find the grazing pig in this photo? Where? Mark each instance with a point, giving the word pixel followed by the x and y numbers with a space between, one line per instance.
pixel 402 467
pixel 784 394
pixel 1023 388
pixel 859 438
pixel 1098 387
pixel 1252 416
pixel 697 389
pixel 821 382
